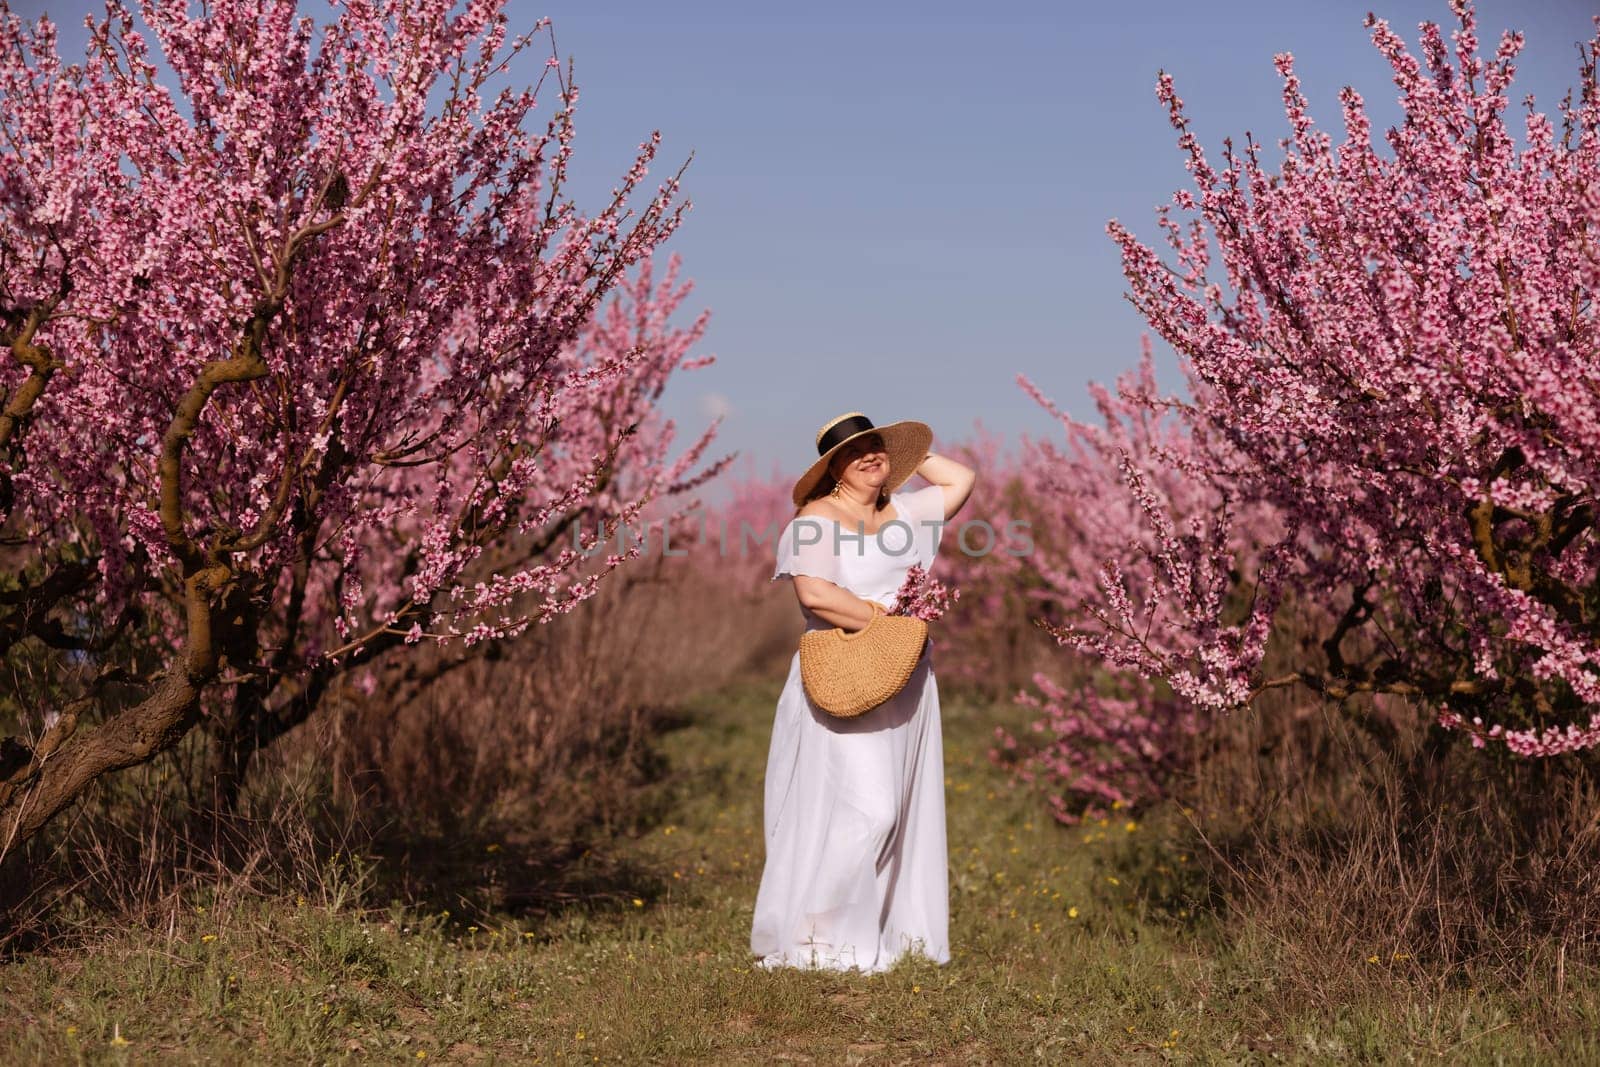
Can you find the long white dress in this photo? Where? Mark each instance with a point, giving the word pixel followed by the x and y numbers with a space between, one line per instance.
pixel 856 872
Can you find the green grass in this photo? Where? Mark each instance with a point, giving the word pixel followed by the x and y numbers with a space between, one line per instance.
pixel 658 971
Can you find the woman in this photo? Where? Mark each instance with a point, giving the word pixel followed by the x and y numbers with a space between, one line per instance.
pixel 856 871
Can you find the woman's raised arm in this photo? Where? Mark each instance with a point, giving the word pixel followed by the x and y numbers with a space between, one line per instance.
pixel 956 479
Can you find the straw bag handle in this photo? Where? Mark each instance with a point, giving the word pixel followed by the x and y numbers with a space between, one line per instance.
pixel 878 612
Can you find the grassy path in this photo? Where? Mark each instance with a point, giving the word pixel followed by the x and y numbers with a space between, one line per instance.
pixel 1054 961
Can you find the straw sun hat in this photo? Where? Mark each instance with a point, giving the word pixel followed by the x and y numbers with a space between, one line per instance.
pixel 906 443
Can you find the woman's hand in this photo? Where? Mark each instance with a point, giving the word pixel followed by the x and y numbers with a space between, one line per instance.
pixel 833 603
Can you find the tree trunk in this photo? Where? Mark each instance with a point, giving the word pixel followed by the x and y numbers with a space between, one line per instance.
pixel 64 764
pixel 131 737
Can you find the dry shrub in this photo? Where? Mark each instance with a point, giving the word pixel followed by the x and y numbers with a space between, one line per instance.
pixel 143 846
pixel 540 748
pixel 1345 840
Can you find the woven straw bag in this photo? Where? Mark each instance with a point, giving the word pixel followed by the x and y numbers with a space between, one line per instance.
pixel 846 674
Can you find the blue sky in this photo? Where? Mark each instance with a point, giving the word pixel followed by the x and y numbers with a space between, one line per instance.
pixel 898 207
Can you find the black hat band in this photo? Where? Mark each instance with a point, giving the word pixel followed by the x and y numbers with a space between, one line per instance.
pixel 842 429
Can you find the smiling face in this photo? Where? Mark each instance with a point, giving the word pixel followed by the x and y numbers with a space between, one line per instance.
pixel 862 464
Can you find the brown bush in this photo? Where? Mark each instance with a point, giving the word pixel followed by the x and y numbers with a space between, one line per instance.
pixel 548 734
pixel 141 847
pixel 1327 837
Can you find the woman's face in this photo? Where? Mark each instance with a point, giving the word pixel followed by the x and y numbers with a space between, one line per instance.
pixel 862 462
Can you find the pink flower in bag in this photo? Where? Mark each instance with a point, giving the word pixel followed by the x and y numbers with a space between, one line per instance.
pixel 923 596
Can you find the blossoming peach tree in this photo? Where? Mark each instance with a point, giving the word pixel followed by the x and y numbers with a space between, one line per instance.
pixel 1105 508
pixel 307 360
pixel 1395 410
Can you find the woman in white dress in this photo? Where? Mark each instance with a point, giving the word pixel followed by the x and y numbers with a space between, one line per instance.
pixel 856 869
